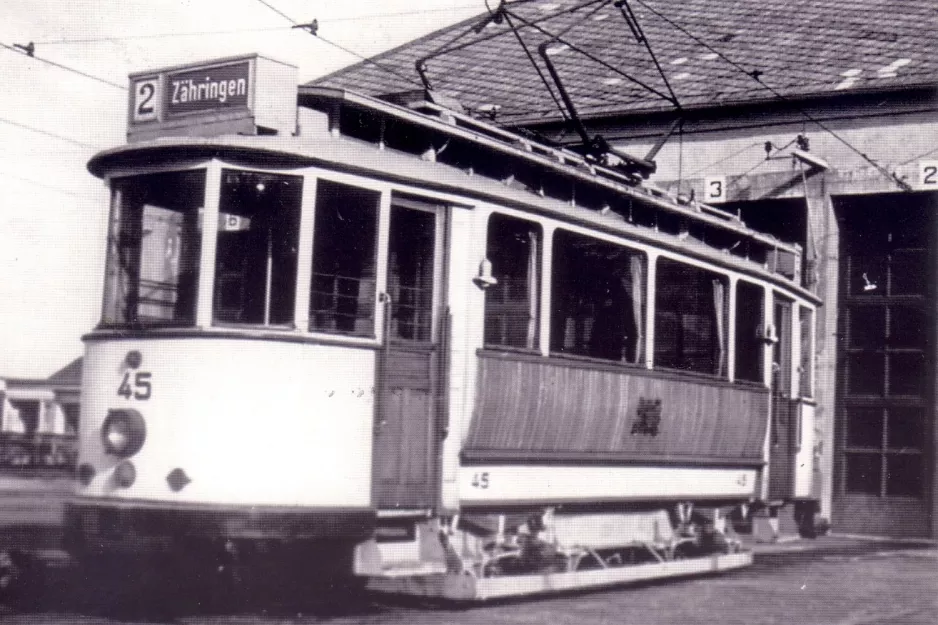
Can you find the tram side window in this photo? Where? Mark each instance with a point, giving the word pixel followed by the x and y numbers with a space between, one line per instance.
pixel 511 304
pixel 258 236
pixel 749 320
pixel 154 243
pixel 597 302
pixel 690 319
pixel 344 254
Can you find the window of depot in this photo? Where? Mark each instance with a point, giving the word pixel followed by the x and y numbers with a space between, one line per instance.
pixel 258 239
pixel 690 318
pixel 597 299
pixel 511 303
pixel 343 289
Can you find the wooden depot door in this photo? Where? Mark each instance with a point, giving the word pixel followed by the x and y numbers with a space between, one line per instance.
pixel 405 440
pixel 783 442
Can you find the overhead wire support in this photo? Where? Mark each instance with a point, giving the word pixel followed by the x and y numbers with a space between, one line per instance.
pixel 23 50
pixel 313 29
pixel 757 74
pixel 527 23
pixel 421 64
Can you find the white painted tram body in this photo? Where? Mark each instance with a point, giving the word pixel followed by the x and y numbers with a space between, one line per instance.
pixel 462 356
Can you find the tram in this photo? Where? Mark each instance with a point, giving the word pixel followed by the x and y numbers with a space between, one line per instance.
pixel 471 364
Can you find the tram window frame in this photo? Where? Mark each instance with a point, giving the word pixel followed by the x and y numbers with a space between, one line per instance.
pixel 573 315
pixel 749 349
pixel 806 365
pixel 683 306
pixel 258 220
pixel 330 309
pixel 143 279
pixel 514 248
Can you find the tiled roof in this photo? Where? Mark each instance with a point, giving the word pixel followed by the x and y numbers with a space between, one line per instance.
pixel 799 48
pixel 69 375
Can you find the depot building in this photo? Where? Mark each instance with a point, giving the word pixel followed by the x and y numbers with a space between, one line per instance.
pixel 818 125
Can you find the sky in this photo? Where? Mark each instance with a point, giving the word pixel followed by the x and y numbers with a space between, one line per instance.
pixel 53 213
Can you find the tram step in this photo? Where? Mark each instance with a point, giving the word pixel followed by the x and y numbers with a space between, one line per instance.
pixel 410 569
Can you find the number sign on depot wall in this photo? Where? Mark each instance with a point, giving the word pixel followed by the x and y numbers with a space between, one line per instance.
pixel 714 189
pixel 928 175
pixel 237 95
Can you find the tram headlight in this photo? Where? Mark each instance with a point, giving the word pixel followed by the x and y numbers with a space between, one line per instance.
pixel 123 432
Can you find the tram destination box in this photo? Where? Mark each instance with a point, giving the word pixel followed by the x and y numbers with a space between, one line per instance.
pixel 248 94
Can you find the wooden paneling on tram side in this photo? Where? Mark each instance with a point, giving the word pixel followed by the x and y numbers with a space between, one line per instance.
pixel 534 408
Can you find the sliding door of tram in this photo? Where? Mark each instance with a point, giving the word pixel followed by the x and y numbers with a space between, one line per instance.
pixel 783 435
pixel 409 384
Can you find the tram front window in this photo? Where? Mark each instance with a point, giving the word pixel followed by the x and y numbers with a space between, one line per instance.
pixel 258 237
pixel 153 249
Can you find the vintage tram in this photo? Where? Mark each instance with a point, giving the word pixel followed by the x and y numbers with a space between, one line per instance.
pixel 474 364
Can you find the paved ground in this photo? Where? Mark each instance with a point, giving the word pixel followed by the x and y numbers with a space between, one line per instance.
pixel 831 581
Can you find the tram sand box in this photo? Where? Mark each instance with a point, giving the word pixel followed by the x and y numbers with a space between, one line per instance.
pixel 471 364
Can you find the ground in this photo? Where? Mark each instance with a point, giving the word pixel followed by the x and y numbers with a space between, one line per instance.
pixel 830 581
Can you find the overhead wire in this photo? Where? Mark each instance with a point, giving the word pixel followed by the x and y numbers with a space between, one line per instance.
pixel 922 155
pixel 63 67
pixel 47 133
pixel 314 33
pixel 203 33
pixel 237 31
pixel 636 28
pixel 421 63
pixel 532 22
pixel 277 11
pixel 41 184
pixel 537 68
pixel 756 76
pixel 725 158
pixel 596 59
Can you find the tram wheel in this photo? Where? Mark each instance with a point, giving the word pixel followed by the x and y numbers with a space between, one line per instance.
pixel 20 578
pixel 11 576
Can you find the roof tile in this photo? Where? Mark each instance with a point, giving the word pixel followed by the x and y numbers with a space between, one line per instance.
pixel 705 47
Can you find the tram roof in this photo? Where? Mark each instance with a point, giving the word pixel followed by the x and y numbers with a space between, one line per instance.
pixel 360 158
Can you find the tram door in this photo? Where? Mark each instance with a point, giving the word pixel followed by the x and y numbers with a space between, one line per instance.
pixel 409 384
pixel 783 441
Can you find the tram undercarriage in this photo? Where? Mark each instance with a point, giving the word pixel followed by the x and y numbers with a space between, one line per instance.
pixel 478 557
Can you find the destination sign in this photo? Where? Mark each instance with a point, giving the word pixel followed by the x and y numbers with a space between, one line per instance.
pixel 207 88
pixel 241 95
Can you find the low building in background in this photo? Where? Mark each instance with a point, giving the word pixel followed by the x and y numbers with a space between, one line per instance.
pixel 39 424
